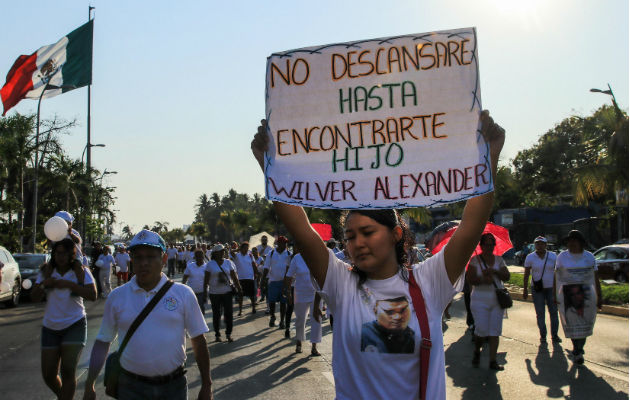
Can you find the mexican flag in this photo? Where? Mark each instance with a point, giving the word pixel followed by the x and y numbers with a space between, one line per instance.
pixel 64 65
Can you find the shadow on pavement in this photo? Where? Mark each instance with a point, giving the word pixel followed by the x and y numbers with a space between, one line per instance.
pixel 478 383
pixel 555 371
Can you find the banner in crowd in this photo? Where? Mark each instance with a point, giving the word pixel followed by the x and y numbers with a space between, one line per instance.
pixel 577 301
pixel 381 123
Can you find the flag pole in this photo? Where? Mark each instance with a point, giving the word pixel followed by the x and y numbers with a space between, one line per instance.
pixel 88 146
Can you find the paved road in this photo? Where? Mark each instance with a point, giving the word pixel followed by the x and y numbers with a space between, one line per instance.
pixel 261 364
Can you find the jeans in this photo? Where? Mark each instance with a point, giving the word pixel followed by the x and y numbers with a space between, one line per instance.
pixel 201 300
pixel 578 346
pixel 221 302
pixel 540 298
pixel 132 389
pixel 170 271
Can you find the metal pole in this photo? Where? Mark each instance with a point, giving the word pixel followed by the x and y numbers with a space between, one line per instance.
pixel 34 235
pixel 88 146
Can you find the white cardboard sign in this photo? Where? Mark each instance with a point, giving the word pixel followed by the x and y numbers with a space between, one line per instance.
pixel 382 123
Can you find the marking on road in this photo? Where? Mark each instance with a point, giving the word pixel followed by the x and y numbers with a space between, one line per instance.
pixel 328 375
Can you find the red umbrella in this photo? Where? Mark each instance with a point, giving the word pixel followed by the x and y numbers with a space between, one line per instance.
pixel 501 235
pixel 324 230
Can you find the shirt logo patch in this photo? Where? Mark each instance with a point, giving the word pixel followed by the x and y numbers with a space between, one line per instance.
pixel 170 303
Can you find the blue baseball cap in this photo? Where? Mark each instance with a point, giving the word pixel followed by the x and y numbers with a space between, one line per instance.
pixel 147 238
pixel 65 215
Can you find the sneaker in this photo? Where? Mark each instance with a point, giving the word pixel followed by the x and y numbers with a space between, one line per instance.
pixel 218 338
pixel 315 353
pixel 229 339
pixel 240 313
pixel 281 326
pixel 556 339
pixel 272 323
pixel 287 334
pixel 298 348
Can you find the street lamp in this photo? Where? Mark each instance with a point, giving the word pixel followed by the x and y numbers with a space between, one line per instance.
pixel 614 100
pixel 106 172
pixel 90 145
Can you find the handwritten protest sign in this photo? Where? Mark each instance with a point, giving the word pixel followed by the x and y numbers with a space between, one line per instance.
pixel 382 123
pixel 577 301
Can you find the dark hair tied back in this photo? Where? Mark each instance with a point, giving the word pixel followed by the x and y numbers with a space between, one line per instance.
pixel 391 219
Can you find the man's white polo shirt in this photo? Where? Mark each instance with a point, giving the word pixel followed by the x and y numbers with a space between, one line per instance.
pixel 159 345
pixel 243 264
pixel 277 264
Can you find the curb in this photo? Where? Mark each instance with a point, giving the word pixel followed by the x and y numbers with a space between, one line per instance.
pixel 606 309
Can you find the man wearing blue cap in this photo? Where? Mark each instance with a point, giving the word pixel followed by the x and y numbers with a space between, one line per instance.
pixel 153 361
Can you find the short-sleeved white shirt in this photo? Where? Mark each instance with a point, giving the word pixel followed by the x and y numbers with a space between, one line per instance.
pixel 570 260
pixel 108 261
pixel 243 265
pixel 303 289
pixel 196 274
pixel 219 276
pixel 171 253
pixel 264 252
pixel 181 256
pixel 122 260
pixel 375 375
pixel 277 264
pixel 260 264
pixel 538 265
pixel 159 344
pixel 486 291
pixel 62 307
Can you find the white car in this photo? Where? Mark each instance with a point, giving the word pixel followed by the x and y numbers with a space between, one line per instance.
pixel 11 279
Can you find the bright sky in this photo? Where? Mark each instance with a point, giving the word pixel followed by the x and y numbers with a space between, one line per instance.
pixel 178 87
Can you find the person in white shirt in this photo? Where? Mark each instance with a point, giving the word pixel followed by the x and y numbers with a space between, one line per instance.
pixel 171 260
pixel 223 284
pixel 247 275
pixel 375 240
pixel 541 264
pixel 105 262
pixel 195 277
pixel 122 261
pixel 64 332
pixel 153 361
pixel 263 248
pixel 304 298
pixel 73 234
pixel 484 272
pixel 276 266
pixel 578 311
pixel 182 259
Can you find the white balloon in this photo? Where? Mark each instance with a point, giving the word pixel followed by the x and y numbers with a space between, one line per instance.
pixel 27 284
pixel 56 229
pixel 99 263
pixel 117 269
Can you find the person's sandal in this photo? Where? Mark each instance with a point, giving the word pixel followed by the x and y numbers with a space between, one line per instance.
pixel 476 358
pixel 315 353
pixel 493 365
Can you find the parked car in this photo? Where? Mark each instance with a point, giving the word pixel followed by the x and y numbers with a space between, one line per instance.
pixel 11 285
pixel 612 262
pixel 29 268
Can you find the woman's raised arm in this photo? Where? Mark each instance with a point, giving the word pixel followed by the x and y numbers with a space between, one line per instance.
pixel 294 218
pixel 458 250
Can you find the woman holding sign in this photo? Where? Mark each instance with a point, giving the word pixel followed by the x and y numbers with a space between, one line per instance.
pixel 576 280
pixel 374 300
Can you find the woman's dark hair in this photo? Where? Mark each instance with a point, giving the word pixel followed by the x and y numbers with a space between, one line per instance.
pixel 391 219
pixel 486 236
pixel 68 246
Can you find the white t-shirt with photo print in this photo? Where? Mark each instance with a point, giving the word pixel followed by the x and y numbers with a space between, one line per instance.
pixel 378 375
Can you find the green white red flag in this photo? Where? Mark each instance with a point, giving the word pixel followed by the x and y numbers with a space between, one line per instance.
pixel 64 66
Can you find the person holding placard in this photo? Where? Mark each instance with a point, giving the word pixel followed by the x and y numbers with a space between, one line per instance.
pixel 375 240
pixel 576 280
